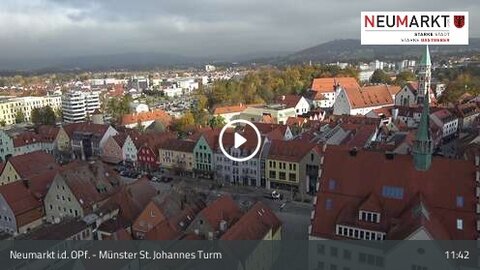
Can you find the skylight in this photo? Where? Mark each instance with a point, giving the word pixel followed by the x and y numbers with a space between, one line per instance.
pixel 392 192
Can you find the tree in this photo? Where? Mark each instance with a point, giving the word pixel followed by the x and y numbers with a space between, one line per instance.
pixel 19 117
pixel 216 121
pixel 405 76
pixel 43 116
pixel 48 116
pixel 118 107
pixel 3 123
pixel 36 116
pixel 184 123
pixel 379 76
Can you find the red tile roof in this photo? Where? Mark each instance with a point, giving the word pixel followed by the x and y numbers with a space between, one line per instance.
pixel 26 138
pixel 21 201
pixel 369 96
pixel 40 183
pixel 358 177
pixel 98 129
pixel 324 85
pixel 157 114
pixel 48 133
pixel 163 231
pixel 34 163
pixel 85 179
pixel 133 198
pixel 292 151
pixel 290 101
pixel 178 145
pixel 229 109
pixel 254 224
pixel 223 208
pixel 120 138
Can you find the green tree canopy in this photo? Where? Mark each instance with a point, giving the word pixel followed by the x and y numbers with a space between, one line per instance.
pixel 405 76
pixel 19 117
pixel 380 76
pixel 43 116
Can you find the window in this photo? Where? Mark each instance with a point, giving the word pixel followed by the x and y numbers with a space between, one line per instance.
pixel 459 224
pixel 460 201
pixel 332 184
pixel 392 192
pixel 347 254
pixel 320 249
pixel 333 251
pixel 282 176
pixel 272 174
pixel 292 177
pixel 328 204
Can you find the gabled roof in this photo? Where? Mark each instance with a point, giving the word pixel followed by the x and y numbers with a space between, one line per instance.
pixel 369 96
pixel 34 163
pixel 223 208
pixel 85 180
pixel 26 138
pixel 48 133
pixel 290 101
pixel 292 151
pixel 397 184
pixel 120 138
pixel 324 85
pixel 21 201
pixel 254 224
pixel 133 198
pixel 178 145
pixel 157 114
pixel 86 127
pixel 153 140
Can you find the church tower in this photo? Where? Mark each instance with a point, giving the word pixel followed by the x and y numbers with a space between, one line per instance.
pixel 422 146
pixel 424 76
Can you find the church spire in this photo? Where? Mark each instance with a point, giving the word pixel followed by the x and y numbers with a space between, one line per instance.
pixel 423 147
pixel 424 76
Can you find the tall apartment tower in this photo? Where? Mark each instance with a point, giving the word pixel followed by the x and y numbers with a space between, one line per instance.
pixel 77 105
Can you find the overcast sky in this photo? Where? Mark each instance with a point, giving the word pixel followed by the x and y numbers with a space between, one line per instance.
pixel 50 28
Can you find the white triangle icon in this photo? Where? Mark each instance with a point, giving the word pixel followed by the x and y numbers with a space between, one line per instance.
pixel 238 140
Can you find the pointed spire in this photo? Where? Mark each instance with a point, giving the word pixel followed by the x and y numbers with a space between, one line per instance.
pixel 425 61
pixel 422 148
pixel 423 132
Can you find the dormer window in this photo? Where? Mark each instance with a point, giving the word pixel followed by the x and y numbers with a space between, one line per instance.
pixel 368 216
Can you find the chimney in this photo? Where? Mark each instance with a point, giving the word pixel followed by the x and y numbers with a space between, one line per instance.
pixel 26 182
pixel 354 152
pixel 389 155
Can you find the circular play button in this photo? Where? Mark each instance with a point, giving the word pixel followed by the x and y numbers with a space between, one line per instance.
pixel 239 140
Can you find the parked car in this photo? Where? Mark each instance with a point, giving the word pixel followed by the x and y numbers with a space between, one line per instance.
pixel 274 195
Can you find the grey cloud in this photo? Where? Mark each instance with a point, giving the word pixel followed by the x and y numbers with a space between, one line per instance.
pixel 190 27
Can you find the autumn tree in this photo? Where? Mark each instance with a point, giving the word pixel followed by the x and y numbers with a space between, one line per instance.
pixel 380 76
pixel 404 77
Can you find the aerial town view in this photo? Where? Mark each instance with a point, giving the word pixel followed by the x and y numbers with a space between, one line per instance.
pixel 239 120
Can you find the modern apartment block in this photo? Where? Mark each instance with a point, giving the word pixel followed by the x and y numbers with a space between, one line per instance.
pixel 76 105
pixel 11 105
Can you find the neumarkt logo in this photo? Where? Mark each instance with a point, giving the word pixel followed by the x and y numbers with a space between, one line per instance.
pixel 406 21
pixel 398 28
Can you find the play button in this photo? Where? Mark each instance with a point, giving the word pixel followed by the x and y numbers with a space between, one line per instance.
pixel 240 140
